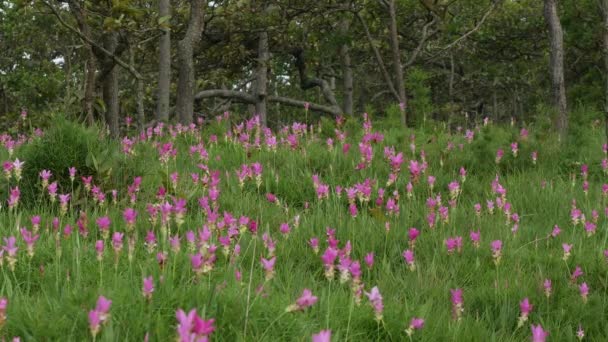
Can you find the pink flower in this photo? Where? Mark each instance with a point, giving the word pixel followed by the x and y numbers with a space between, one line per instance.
pixel 496 250
pixel 271 198
pixel 580 333
pixel 525 308
pixel 457 303
pixel 567 248
pixel 369 259
pixel 576 273
pixel 375 299
pixel 305 301
pixel 556 231
pixel 129 216
pixel 191 327
pixel 99 249
pixel 329 258
pixel 3 306
pixel 547 287
pixel 475 236
pixel 584 288
pixel 538 334
pixel 322 336
pixel 413 234
pixel 408 255
pixel 117 242
pixel 148 287
pixel 268 265
pixel 415 324
pixel 94 322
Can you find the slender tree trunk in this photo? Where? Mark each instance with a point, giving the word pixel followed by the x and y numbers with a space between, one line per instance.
pixel 110 88
pixel 139 86
pixel 186 78
pixel 558 84
pixel 164 64
pixel 397 68
pixel 261 81
pixel 605 36
pixel 347 72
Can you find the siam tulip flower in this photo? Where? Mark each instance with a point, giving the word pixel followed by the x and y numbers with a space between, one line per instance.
pixel 538 334
pixel 99 247
pixel 580 333
pixel 514 149
pixel 590 228
pixel 412 235
pixel 369 259
pixel 30 239
pixel 314 244
pixel 375 299
pixel 415 324
pixel 463 174
pixel 329 258
pixel 161 258
pixel 3 306
pixel 499 154
pixel 457 303
pixel 284 229
pixel 72 173
pixel 556 231
pixel 63 202
pixel 17 169
pixel 477 207
pixel 130 215
pixel 496 251
pixel 268 265
pixel 567 249
pixel 192 328
pixel 103 223
pixel 454 244
pixel 305 301
pixel 13 199
pixel 584 288
pixel 45 175
pixel 525 308
pixel 117 242
pixel 150 241
pixel 10 248
pixel 148 287
pixel 547 287
pixel 408 255
pixel 322 336
pixel 475 236
pixel 534 156
pixel 431 181
pixel 454 189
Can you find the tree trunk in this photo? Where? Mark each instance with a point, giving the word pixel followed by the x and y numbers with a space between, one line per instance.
pixel 347 72
pixel 558 85
pixel 186 78
pixel 139 92
pixel 605 36
pixel 261 81
pixel 110 88
pixel 397 68
pixel 164 64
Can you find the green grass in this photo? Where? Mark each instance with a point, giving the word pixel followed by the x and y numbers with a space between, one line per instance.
pixel 50 294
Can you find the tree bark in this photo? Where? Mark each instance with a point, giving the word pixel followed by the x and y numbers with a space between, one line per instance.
pixel 139 92
pixel 397 68
pixel 110 87
pixel 186 78
pixel 558 84
pixel 164 64
pixel 261 81
pixel 347 72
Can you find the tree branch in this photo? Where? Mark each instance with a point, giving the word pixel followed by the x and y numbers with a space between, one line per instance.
pixel 474 29
pixel 82 36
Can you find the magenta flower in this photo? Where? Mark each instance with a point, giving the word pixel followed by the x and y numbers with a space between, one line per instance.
pixel 525 307
pixel 375 299
pixel 576 274
pixel 268 265
pixel 457 303
pixel 567 249
pixel 94 322
pixel 412 235
pixel 129 216
pixel 3 306
pixel 369 259
pixel 496 250
pixel 538 334
pixel 306 300
pixel 556 231
pixel 192 328
pixel 322 336
pixel 584 289
pixel 329 258
pixel 408 255
pixel 117 242
pixel 475 236
pixel 30 239
pixel 415 324
pixel 148 287
pixel 99 247
pixel 314 244
pixel 10 247
pixel 547 287
pixel 580 333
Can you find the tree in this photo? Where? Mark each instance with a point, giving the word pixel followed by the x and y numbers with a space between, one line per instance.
pixel 164 62
pixel 556 65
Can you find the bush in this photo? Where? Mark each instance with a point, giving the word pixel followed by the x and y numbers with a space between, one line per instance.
pixel 65 144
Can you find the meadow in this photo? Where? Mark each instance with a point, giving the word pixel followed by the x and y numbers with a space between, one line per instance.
pixel 347 229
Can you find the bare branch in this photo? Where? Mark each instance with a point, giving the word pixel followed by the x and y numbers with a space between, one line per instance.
pixel 84 37
pixel 474 29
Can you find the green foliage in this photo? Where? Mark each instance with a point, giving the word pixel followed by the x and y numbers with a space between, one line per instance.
pixel 65 144
pixel 420 106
